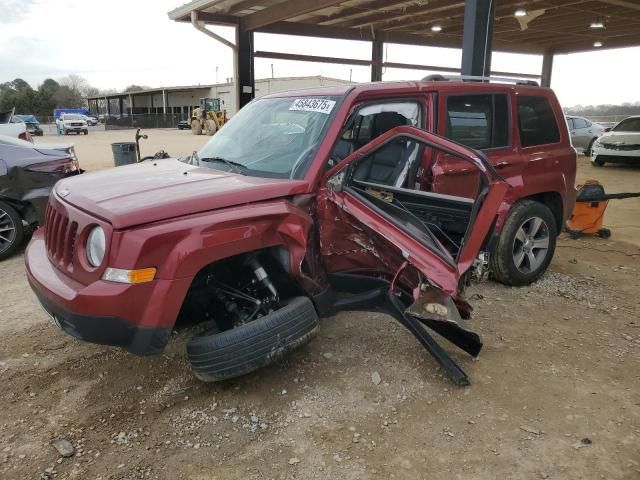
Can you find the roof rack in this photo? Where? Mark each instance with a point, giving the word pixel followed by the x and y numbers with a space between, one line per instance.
pixel 473 78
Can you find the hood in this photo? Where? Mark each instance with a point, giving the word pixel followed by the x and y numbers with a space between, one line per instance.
pixel 162 189
pixel 627 138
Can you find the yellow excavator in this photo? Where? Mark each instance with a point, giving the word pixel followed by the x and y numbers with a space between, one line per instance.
pixel 208 118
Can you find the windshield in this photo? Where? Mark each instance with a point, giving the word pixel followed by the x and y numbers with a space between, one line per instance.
pixel 628 125
pixel 273 137
pixel 74 117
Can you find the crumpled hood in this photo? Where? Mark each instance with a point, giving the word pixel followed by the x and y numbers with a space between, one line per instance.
pixel 627 138
pixel 163 189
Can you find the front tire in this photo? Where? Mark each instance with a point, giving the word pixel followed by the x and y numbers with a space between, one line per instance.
pixel 196 127
pixel 210 127
pixel 217 356
pixel 597 163
pixel 11 230
pixel 526 245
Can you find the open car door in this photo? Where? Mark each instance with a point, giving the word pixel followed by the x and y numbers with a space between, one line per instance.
pixel 390 248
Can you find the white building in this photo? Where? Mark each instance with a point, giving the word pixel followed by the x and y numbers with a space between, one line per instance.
pixel 181 100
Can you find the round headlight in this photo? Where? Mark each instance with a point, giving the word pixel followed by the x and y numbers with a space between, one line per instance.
pixel 96 244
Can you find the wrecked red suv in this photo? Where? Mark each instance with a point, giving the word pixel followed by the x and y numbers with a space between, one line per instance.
pixel 381 197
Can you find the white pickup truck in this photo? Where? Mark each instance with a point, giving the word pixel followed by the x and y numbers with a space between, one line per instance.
pixel 72 122
pixel 13 127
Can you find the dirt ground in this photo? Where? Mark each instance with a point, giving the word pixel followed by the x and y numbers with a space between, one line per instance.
pixel 555 393
pixel 94 150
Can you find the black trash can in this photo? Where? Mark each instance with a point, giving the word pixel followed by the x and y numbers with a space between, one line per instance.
pixel 124 153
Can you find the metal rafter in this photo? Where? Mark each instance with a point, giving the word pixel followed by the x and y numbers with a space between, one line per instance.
pixel 284 11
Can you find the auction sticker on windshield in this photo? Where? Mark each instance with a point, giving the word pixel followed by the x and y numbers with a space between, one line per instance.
pixel 318 105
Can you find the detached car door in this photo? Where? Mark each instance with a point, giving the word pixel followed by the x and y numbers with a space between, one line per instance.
pixel 376 229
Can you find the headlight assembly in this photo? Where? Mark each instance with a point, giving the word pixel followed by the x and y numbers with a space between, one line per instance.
pixel 96 245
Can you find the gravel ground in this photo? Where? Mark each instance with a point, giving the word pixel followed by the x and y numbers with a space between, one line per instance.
pixel 554 394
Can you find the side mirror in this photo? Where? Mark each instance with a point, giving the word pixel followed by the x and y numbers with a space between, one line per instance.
pixel 336 182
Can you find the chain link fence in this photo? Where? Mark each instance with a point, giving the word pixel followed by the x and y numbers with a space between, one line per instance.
pixel 145 121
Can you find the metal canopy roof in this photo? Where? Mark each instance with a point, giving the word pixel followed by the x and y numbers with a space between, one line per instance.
pixel 550 26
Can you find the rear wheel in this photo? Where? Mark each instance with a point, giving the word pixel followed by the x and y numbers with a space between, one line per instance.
pixel 210 127
pixel 526 245
pixel 216 356
pixel 11 230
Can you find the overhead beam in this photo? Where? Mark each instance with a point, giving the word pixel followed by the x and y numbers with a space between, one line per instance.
pixel 214 19
pixel 312 58
pixel 284 11
pixel 366 63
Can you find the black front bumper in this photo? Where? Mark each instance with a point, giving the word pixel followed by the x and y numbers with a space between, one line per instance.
pixel 107 330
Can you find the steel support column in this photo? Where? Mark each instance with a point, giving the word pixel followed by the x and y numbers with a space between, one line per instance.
pixel 165 101
pixel 547 69
pixel 377 57
pixel 479 16
pixel 121 105
pixel 246 73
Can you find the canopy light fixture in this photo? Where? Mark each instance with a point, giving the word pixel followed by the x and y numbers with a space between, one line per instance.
pixel 597 44
pixel 436 28
pixel 521 12
pixel 596 25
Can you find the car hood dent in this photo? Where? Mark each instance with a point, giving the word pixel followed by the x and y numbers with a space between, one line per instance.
pixel 164 189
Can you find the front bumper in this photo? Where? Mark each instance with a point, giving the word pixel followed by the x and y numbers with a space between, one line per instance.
pixel 105 330
pixel 138 318
pixel 614 155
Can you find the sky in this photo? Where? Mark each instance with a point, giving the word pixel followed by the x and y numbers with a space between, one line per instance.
pixel 116 43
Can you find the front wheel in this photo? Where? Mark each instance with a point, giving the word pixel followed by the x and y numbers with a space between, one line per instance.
pixel 216 356
pixel 587 151
pixel 11 230
pixel 526 245
pixel 597 163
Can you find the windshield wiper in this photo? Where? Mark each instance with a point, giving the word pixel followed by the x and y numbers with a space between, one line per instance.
pixel 234 166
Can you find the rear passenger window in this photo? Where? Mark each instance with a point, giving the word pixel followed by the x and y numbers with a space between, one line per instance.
pixel 478 121
pixel 537 123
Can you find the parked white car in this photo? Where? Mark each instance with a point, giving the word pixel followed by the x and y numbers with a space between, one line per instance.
pixel 91 120
pixel 583 133
pixel 72 122
pixel 621 144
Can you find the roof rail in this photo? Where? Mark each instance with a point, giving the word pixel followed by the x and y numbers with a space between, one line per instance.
pixel 473 78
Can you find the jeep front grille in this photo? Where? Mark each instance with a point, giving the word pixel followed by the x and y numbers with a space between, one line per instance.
pixel 60 236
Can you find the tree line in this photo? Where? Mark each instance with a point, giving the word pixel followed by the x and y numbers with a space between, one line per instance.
pixel 626 109
pixel 71 91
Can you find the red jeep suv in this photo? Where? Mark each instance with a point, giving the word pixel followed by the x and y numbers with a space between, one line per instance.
pixel 377 197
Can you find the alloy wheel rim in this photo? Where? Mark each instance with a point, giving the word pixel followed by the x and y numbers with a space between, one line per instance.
pixel 7 231
pixel 531 245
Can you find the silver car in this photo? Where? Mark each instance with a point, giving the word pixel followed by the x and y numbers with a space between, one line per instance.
pixel 584 133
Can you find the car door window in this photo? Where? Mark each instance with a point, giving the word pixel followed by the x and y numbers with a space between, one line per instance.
pixel 571 123
pixel 536 121
pixel 580 123
pixel 478 121
pixel 369 122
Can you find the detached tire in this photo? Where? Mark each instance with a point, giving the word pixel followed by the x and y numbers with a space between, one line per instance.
pixel 11 230
pixel 216 356
pixel 526 245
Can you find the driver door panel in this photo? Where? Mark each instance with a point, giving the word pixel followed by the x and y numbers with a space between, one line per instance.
pixel 360 229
